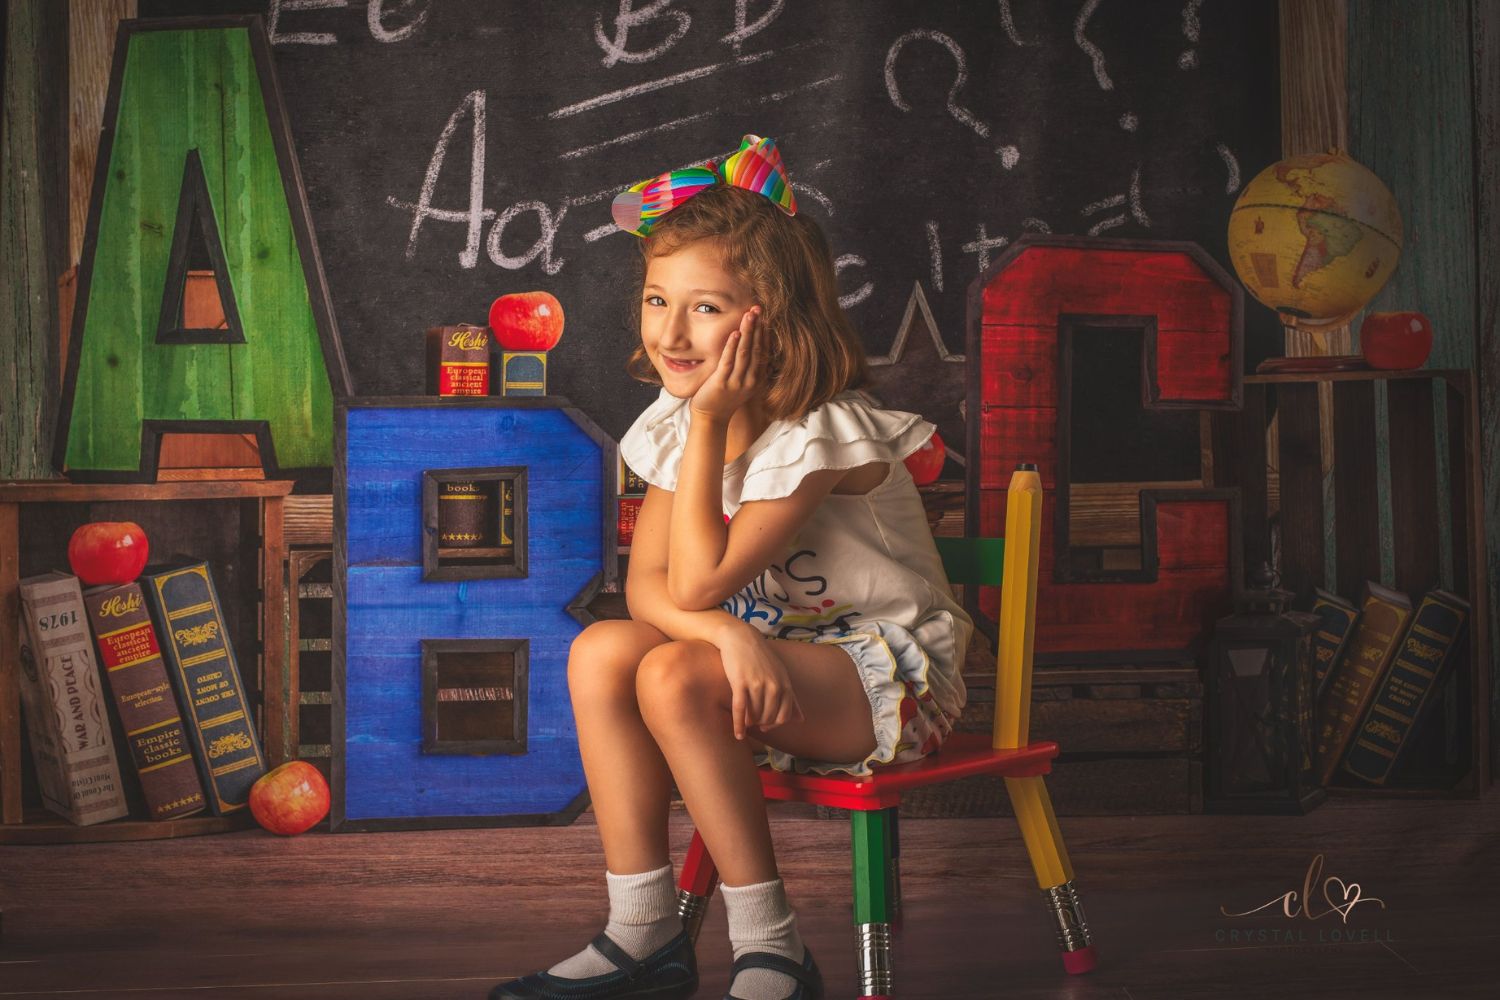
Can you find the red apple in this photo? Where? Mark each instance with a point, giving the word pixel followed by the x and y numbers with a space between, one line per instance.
pixel 108 552
pixel 289 799
pixel 1395 340
pixel 926 463
pixel 527 321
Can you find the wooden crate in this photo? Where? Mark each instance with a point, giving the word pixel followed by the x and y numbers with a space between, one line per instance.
pixel 1131 741
pixel 1435 536
pixel 35 521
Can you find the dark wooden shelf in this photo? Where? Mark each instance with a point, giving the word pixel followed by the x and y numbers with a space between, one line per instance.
pixel 42 827
pixel 478 552
pixel 62 491
pixel 1372 375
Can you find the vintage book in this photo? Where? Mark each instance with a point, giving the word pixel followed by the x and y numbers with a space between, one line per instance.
pixel 66 699
pixel 458 360
pixel 465 510
pixel 200 661
pixel 1337 617
pixel 523 373
pixel 630 509
pixel 1405 694
pixel 631 484
pixel 144 700
pixel 1382 622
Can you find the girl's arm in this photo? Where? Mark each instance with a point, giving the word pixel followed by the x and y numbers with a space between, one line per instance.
pixel 710 560
pixel 761 691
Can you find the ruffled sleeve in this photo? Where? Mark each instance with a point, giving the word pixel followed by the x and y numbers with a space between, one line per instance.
pixel 844 433
pixel 652 447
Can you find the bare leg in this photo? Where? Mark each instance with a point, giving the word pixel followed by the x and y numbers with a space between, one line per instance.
pixel 627 776
pixel 684 698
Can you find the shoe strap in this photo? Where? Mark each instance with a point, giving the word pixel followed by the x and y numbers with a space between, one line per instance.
pixel 617 955
pixel 776 963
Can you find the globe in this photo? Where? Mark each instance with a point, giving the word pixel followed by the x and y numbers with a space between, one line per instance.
pixel 1315 237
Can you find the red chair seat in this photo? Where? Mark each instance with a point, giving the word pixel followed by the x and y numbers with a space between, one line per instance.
pixel 962 756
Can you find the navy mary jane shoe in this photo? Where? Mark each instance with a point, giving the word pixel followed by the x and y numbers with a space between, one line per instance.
pixel 809 979
pixel 669 973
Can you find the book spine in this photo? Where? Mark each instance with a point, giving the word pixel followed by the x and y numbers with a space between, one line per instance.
pixel 72 699
pixel 201 663
pixel 51 775
pixel 131 658
pixel 1336 625
pixel 1381 623
pixel 1405 691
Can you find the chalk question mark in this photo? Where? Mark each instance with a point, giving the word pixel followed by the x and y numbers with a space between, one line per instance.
pixel 1191 26
pixel 1009 155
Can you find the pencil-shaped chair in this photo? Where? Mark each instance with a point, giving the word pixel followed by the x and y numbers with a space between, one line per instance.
pixel 872 800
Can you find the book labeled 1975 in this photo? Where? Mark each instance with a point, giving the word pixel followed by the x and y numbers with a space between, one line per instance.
pixel 1382 623
pixel 200 661
pixel 144 700
pixel 1405 692
pixel 66 711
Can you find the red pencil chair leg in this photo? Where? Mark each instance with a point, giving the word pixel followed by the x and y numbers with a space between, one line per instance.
pixel 696 886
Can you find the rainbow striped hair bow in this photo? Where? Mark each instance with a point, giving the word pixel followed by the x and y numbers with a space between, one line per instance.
pixel 755 166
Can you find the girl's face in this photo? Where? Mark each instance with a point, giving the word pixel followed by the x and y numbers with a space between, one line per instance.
pixel 689 306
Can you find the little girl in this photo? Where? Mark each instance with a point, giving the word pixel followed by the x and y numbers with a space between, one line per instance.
pixel 815 628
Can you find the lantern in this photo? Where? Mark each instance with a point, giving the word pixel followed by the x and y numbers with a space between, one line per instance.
pixel 1260 705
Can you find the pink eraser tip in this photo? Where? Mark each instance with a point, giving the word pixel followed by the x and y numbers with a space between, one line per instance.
pixel 1080 961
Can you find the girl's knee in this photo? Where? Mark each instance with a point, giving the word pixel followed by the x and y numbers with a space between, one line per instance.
pixel 680 680
pixel 604 657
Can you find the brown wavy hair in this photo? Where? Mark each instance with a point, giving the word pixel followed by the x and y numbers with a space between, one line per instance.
pixel 814 352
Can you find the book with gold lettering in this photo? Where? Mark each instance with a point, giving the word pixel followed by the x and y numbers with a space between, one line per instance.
pixel 200 661
pixel 1336 618
pixel 1405 694
pixel 144 700
pixel 1382 622
pixel 66 714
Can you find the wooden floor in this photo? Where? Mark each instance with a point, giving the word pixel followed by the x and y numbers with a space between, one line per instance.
pixel 443 915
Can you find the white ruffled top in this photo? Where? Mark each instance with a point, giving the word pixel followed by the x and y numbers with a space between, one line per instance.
pixel 863 569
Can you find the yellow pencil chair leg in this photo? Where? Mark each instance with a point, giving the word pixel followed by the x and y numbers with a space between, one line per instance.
pixel 1012 727
pixel 1054 874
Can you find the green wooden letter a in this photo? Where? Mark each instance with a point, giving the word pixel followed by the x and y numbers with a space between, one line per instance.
pixel 196 171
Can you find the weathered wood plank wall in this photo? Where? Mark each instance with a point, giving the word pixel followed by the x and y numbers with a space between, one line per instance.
pixel 1422 85
pixel 1486 74
pixel 33 228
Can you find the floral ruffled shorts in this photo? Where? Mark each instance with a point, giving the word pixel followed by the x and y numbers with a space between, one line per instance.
pixel 909 723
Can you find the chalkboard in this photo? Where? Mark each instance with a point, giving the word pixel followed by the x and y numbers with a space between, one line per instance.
pixel 453 152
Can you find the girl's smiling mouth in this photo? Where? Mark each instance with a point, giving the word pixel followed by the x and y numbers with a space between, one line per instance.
pixel 679 364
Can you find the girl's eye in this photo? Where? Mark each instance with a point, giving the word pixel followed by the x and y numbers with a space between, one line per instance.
pixel 710 307
pixel 655 300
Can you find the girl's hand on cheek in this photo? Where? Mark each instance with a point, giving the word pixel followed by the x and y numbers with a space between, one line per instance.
pixel 737 377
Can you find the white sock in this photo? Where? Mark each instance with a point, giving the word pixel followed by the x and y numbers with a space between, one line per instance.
pixel 760 919
pixel 642 918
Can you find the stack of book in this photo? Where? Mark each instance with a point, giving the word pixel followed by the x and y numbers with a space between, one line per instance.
pixel 632 495
pixel 1378 668
pixel 165 664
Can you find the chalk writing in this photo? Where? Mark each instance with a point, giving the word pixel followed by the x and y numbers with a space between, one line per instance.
pixel 615 50
pixel 957 111
pixel 1190 30
pixel 1089 48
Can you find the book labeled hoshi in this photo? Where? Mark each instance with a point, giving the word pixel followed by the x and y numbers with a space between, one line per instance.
pixel 1336 618
pixel 1382 622
pixel 200 662
pixel 458 360
pixel 144 700
pixel 78 772
pixel 1405 695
